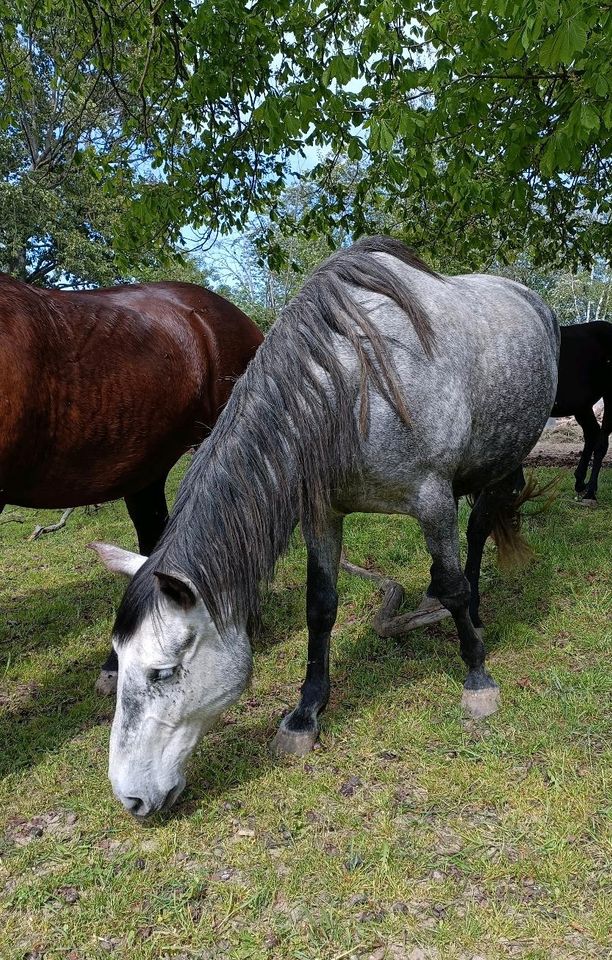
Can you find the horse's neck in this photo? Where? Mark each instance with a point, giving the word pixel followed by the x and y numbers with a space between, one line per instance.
pixel 234 516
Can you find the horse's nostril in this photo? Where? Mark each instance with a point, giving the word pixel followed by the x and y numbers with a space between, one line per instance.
pixel 133 804
pixel 170 797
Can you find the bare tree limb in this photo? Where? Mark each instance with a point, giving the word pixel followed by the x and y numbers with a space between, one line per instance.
pixel 52 527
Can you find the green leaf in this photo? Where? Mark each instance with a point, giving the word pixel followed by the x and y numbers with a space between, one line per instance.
pixel 589 117
pixel 354 150
pixel 563 45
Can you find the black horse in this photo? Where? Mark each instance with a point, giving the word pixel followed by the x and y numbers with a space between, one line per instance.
pixel 585 376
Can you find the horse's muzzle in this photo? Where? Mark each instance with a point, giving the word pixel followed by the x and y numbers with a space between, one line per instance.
pixel 141 807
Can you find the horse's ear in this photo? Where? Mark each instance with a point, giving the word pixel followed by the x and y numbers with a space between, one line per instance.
pixel 116 559
pixel 177 588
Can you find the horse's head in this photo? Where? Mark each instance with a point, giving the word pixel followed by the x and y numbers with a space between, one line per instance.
pixel 177 673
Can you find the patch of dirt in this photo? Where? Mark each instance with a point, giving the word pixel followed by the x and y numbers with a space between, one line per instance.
pixel 560 446
pixel 69 895
pixel 113 848
pixel 397 951
pixel 350 788
pixel 61 824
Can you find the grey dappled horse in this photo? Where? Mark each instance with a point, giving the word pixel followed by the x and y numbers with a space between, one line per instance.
pixel 383 387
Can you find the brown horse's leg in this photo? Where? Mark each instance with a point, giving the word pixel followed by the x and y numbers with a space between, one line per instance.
pixel 149 513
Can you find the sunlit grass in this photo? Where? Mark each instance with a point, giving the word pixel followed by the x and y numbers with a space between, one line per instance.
pixel 407 830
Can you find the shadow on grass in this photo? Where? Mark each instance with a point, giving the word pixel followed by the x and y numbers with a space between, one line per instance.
pixel 57 710
pixel 44 617
pixel 40 714
pixel 63 704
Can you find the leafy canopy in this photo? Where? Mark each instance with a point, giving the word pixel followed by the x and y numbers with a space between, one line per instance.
pixel 70 165
pixel 485 127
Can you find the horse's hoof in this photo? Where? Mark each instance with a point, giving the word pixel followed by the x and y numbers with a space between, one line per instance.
pixel 586 502
pixel 296 743
pixel 106 684
pixel 478 704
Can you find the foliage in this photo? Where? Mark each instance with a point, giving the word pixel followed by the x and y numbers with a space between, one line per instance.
pixel 69 165
pixel 244 274
pixel 408 829
pixel 243 271
pixel 486 125
pixel 576 296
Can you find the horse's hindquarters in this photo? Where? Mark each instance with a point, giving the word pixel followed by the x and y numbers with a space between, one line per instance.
pixel 477 407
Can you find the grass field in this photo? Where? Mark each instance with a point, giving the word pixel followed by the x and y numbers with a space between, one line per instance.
pixel 409 834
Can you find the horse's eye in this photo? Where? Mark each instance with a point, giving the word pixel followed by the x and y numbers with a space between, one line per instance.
pixel 164 674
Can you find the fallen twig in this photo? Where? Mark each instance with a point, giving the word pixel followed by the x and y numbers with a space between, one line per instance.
pixel 52 527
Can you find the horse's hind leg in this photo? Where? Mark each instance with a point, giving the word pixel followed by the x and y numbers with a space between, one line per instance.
pixel 480 526
pixel 438 519
pixel 600 449
pixel 149 514
pixel 590 428
pixel 298 731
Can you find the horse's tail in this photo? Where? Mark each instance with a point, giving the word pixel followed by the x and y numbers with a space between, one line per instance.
pixel 512 548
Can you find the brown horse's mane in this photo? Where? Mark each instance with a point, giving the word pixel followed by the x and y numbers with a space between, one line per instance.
pixel 286 439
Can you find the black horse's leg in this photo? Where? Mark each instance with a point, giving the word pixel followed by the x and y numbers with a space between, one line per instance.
pixel 590 428
pixel 298 731
pixel 438 519
pixel 600 449
pixel 149 514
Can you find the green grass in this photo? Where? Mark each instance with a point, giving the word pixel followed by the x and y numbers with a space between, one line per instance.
pixel 459 840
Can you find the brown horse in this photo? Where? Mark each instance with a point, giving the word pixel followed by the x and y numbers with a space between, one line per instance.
pixel 101 392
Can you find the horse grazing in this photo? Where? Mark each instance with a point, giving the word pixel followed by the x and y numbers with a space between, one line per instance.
pixel 383 387
pixel 585 376
pixel 101 392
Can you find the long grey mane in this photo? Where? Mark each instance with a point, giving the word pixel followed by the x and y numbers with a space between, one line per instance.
pixel 286 439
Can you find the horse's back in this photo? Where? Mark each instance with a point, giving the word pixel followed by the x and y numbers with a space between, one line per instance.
pixel 585 366
pixel 109 387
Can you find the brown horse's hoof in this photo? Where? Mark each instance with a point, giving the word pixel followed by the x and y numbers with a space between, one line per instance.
pixel 295 743
pixel 478 704
pixel 106 684
pixel 586 502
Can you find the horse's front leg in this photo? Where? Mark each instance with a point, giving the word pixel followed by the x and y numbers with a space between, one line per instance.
pixel 299 730
pixel 438 518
